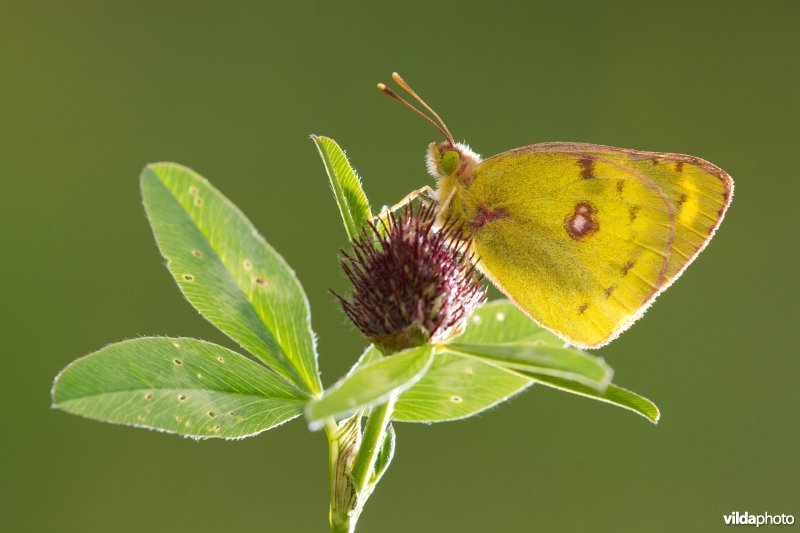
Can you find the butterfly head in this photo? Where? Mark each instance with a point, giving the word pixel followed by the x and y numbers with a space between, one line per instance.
pixel 451 160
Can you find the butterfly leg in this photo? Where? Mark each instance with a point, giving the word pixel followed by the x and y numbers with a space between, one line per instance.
pixel 426 191
pixel 423 192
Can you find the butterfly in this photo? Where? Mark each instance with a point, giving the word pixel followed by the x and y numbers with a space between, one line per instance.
pixel 581 237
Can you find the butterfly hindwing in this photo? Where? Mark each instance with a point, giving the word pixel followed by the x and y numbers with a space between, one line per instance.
pixel 583 237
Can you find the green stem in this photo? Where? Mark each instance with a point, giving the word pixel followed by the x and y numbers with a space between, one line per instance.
pixel 371 444
pixel 351 461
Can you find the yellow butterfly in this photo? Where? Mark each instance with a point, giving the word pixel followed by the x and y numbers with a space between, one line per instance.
pixel 582 237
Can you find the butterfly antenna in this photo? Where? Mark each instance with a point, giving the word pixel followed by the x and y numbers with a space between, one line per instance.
pixel 444 131
pixel 402 83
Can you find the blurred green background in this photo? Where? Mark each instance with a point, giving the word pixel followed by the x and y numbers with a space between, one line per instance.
pixel 90 92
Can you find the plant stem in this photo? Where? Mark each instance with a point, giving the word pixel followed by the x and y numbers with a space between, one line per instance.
pixel 351 462
pixel 371 443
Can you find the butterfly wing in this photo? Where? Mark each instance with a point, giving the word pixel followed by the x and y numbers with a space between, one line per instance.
pixel 583 237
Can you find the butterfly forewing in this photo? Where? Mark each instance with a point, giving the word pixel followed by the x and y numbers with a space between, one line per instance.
pixel 583 237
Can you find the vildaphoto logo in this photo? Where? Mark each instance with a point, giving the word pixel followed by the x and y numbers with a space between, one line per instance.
pixel 746 519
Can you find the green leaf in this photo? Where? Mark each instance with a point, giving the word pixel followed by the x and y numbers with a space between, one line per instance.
pixel 385 456
pixel 454 387
pixel 500 321
pixel 512 350
pixel 457 387
pixel 503 335
pixel 564 363
pixel 346 185
pixel 613 395
pixel 229 273
pixel 500 334
pixel 177 385
pixel 371 384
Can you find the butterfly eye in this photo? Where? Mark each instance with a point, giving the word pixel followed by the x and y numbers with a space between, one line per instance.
pixel 450 161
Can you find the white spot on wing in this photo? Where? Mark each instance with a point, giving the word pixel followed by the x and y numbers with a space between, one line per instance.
pixel 579 223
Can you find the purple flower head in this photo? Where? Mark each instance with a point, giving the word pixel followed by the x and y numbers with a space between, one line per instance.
pixel 412 283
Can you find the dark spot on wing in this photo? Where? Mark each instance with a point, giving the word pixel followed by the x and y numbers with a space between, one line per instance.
pixel 626 267
pixel 609 290
pixel 587 168
pixel 582 221
pixel 633 212
pixel 484 214
pixel 682 199
pixel 620 186
pixel 679 166
pixel 582 308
